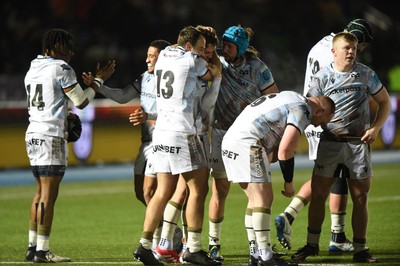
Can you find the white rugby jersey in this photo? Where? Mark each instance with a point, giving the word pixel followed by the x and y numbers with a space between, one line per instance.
pixel 266 118
pixel 202 120
pixel 178 95
pixel 350 91
pixel 144 88
pixel 240 86
pixel 208 96
pixel 47 103
pixel 148 103
pixel 319 57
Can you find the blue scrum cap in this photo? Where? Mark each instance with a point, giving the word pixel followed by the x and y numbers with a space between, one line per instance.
pixel 237 36
pixel 361 29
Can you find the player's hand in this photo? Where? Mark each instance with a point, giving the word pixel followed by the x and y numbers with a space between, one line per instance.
pixel 370 135
pixel 214 70
pixel 289 190
pixel 105 72
pixel 87 78
pixel 137 117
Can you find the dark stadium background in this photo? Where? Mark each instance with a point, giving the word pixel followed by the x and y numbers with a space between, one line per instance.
pixel 285 30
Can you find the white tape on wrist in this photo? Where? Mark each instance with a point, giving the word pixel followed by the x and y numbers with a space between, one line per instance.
pixel 89 93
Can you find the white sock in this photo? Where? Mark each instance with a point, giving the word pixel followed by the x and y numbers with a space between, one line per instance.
pixel 171 217
pixel 32 238
pixel 337 222
pixel 262 227
pixel 214 234
pixel 295 207
pixel 145 243
pixel 265 253
pixel 248 223
pixel 42 242
pixel 194 242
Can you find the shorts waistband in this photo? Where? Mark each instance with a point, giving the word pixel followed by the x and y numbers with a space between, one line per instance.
pixel 330 137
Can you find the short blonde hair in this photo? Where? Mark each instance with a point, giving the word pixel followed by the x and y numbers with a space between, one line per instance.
pixel 351 38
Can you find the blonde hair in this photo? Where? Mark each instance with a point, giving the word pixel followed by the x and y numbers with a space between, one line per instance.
pixel 351 38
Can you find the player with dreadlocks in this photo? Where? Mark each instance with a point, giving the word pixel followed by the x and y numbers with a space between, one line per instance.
pixel 48 81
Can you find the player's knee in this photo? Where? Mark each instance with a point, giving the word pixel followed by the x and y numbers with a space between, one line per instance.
pixel 221 190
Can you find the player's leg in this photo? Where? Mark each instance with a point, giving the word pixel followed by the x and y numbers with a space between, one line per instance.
pixel 220 190
pixel 166 184
pixel 251 235
pixel 149 187
pixel 338 204
pixel 165 249
pixel 197 182
pixel 48 162
pixel 260 196
pixel 359 189
pixel 139 169
pixel 32 238
pixel 320 187
pixel 45 213
pixel 284 221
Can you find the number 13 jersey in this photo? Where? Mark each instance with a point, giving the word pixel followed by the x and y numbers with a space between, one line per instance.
pixel 177 73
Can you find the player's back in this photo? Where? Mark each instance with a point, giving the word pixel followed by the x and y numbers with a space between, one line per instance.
pixel 268 117
pixel 47 103
pixel 177 72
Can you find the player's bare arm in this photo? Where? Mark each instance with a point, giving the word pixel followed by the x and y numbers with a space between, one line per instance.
pixel 384 106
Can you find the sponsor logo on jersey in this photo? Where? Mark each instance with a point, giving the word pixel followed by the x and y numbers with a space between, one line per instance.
pixel 345 90
pixel 148 95
pixel 37 142
pixel 167 149
pixel 313 133
pixel 230 154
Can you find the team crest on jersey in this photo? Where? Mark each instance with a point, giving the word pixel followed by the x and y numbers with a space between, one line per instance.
pixel 332 80
pixel 266 75
pixel 65 67
pixel 355 75
pixel 244 72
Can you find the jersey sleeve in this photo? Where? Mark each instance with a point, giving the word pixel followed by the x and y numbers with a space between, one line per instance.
pixel 315 87
pixel 65 75
pixel 374 84
pixel 299 116
pixel 200 64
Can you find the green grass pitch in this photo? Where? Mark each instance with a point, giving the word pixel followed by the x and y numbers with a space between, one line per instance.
pixel 100 222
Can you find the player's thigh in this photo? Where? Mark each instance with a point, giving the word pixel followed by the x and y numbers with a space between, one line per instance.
pixel 245 162
pixel 215 161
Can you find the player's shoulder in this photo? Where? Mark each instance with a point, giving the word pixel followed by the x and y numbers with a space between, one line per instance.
pixel 254 63
pixel 362 67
